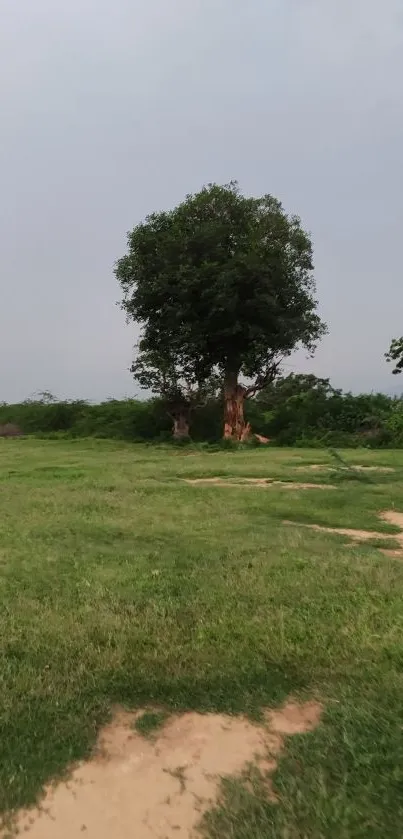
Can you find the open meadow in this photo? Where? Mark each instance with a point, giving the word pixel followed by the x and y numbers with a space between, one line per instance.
pixel 128 581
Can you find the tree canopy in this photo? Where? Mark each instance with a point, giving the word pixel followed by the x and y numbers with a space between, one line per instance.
pixel 222 285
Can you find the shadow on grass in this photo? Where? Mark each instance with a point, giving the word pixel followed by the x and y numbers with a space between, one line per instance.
pixel 40 738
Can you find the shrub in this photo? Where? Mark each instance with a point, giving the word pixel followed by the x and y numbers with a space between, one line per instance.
pixel 292 411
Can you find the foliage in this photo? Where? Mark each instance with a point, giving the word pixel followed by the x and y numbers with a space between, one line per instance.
pixel 128 419
pixel 303 408
pixel 222 284
pixel 292 410
pixel 180 393
pixel 395 354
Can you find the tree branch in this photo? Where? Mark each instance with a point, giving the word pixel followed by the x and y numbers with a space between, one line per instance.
pixel 264 378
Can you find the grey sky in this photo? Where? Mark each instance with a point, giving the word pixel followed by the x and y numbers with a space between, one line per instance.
pixel 113 109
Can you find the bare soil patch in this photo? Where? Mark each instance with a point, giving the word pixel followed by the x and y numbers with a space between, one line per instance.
pixel 390 516
pixel 265 483
pixel 159 789
pixel 371 468
pixel 324 467
pixel 393 517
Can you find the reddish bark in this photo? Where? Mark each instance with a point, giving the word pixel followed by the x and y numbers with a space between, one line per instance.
pixel 234 419
pixel 235 427
pixel 262 439
pixel 10 430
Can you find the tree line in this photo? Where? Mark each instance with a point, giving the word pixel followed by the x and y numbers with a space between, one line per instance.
pixel 295 409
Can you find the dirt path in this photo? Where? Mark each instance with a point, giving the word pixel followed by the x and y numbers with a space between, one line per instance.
pixel 391 516
pixel 264 483
pixel 324 467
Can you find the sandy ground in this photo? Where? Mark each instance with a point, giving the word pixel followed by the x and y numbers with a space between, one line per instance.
pixel 141 788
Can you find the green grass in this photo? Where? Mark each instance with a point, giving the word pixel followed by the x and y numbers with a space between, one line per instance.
pixel 149 722
pixel 120 583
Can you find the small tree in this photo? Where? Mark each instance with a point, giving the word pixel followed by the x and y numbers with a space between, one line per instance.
pixel 175 383
pixel 395 354
pixel 223 283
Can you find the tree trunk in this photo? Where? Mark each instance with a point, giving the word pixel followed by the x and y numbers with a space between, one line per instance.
pixel 180 429
pixel 234 420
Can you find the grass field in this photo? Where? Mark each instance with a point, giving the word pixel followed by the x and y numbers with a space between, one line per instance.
pixel 121 583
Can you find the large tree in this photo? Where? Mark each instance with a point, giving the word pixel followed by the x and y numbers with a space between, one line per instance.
pixel 224 284
pixel 395 354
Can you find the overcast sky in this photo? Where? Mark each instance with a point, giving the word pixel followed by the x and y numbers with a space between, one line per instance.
pixel 113 108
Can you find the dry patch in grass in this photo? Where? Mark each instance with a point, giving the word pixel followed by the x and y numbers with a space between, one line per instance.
pixel 264 483
pixel 324 467
pixel 390 516
pixel 159 789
